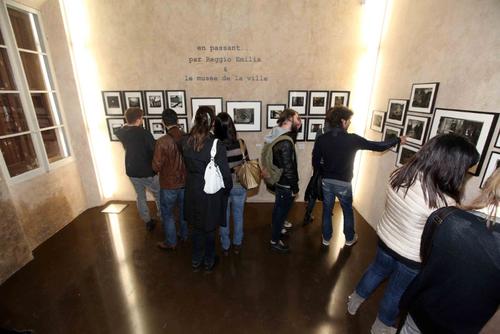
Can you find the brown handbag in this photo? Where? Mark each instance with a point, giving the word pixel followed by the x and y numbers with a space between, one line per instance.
pixel 249 173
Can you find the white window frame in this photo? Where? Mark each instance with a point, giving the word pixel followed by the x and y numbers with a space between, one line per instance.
pixel 44 166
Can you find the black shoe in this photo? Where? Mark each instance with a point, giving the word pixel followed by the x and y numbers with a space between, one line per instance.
pixel 225 252
pixel 210 268
pixel 237 249
pixel 150 225
pixel 196 267
pixel 307 221
pixel 280 247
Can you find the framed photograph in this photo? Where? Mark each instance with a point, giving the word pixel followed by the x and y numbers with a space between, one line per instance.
pixel 339 98
pixel 113 125
pixel 314 125
pixel 301 136
pixel 156 127
pixel 112 103
pixel 391 132
pixel 176 100
pixel 378 118
pixel 214 103
pixel 416 129
pixel 477 126
pixel 423 96
pixel 396 110
pixel 155 103
pixel 318 102
pixel 405 153
pixel 493 164
pixel 245 115
pixel 297 100
pixel 273 113
pixel 133 99
pixel 183 124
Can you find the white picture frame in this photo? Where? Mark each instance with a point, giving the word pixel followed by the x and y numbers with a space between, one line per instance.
pixel 154 101
pixel 113 125
pixel 339 98
pixel 273 112
pixel 318 102
pixel 422 97
pixel 297 100
pixel 156 127
pixel 313 126
pixel 377 122
pixel 113 105
pixel 133 99
pixel 183 124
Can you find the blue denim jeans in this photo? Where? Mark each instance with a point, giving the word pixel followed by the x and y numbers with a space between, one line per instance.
pixel 140 185
pixel 203 248
pixel 282 205
pixel 168 199
pixel 236 203
pixel 343 191
pixel 400 276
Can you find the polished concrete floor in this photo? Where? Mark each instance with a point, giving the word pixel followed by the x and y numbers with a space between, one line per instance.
pixel 104 274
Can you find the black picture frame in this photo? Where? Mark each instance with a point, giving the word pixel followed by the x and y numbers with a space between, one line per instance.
pixel 179 107
pixel 129 94
pixel 497 142
pixel 491 166
pixel 315 108
pixel 111 129
pixel 301 135
pixel 396 111
pixel 270 109
pixel 216 103
pixel 424 101
pixel 151 106
pixel 246 115
pixel 343 95
pixel 113 103
pixel 466 123
pixel 156 127
pixel 389 131
pixel 297 100
pixel 414 133
pixel 376 117
pixel 183 124
pixel 311 132
pixel 403 152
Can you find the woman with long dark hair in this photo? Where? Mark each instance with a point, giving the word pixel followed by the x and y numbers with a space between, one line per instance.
pixel 204 212
pixel 237 152
pixel 433 178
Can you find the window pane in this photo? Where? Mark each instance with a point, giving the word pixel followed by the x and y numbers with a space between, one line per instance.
pixel 6 79
pixel 33 71
pixel 43 110
pixel 12 119
pixel 54 141
pixel 22 29
pixel 19 154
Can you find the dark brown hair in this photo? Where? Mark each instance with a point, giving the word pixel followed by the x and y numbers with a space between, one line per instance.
pixel 133 114
pixel 335 115
pixel 203 121
pixel 441 166
pixel 224 128
pixel 286 115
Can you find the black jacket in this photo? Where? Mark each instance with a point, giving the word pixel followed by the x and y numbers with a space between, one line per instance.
pixel 284 157
pixel 139 146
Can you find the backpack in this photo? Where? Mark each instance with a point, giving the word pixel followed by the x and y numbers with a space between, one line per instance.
pixel 270 172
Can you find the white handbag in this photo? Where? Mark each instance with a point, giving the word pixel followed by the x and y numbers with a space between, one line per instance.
pixel 213 177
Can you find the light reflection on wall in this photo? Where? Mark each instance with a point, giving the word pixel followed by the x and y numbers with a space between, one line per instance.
pixel 77 28
pixel 126 278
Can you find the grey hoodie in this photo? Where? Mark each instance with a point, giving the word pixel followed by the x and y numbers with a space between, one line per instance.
pixel 275 133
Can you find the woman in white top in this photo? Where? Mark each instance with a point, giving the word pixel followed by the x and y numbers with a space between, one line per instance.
pixel 433 178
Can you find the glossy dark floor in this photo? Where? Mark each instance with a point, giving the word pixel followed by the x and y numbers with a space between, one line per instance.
pixel 104 274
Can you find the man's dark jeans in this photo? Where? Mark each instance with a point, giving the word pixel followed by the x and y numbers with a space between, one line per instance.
pixel 282 205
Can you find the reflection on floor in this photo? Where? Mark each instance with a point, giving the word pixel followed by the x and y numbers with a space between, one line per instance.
pixel 104 274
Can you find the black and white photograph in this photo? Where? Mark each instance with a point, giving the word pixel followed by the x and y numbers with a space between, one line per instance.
pixel 245 114
pixel 133 99
pixel 318 102
pixel 493 164
pixel 154 102
pixel 112 103
pixel 396 110
pixel 301 135
pixel 423 96
pixel 476 126
pixel 176 100
pixel 314 125
pixel 297 100
pixel 378 118
pixel 113 125
pixel 391 132
pixel 339 98
pixel 405 153
pixel 183 124
pixel 215 103
pixel 416 129
pixel 156 127
pixel 273 113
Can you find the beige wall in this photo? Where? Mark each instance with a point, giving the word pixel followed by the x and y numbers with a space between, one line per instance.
pixel 456 43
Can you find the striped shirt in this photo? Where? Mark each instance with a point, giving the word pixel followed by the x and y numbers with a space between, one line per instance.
pixel 235 156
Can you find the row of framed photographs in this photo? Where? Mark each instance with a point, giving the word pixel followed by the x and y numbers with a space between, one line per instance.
pixel 153 102
pixel 153 124
pixel 317 102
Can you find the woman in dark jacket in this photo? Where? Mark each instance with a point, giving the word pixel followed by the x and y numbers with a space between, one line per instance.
pixel 204 212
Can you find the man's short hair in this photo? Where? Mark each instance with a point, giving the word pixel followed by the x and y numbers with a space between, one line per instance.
pixel 335 115
pixel 133 114
pixel 286 115
pixel 169 117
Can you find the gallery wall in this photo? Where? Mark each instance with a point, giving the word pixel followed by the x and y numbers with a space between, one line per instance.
pixel 455 43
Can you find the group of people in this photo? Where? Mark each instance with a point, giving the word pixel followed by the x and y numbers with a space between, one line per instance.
pixel 441 259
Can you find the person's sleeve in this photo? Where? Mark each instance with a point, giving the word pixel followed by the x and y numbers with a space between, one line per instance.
pixel 157 157
pixel 221 161
pixel 287 156
pixel 316 156
pixel 150 142
pixel 379 146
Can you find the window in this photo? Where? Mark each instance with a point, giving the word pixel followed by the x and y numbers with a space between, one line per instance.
pixel 32 136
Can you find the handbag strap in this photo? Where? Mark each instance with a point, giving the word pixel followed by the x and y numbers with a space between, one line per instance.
pixel 213 151
pixel 433 222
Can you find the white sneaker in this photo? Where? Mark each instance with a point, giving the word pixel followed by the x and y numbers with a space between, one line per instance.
pixel 287 224
pixel 325 243
pixel 379 327
pixel 284 231
pixel 349 243
pixel 354 301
